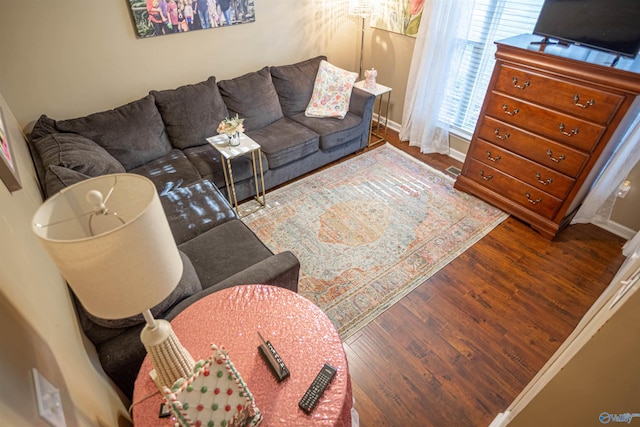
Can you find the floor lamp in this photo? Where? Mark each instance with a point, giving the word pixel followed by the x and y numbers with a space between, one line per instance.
pixel 363 9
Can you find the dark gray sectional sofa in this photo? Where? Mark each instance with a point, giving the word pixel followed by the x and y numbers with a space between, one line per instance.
pixel 163 137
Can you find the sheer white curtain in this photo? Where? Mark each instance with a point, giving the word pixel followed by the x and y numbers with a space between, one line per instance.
pixel 436 46
pixel 597 205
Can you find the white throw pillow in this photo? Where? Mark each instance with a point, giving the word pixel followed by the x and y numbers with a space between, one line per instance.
pixel 331 92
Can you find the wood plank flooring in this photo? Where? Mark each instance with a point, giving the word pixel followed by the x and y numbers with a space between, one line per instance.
pixel 458 349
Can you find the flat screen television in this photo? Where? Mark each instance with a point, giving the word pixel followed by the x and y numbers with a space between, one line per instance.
pixel 609 25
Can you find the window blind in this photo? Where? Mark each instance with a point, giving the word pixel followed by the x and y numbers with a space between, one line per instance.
pixel 491 20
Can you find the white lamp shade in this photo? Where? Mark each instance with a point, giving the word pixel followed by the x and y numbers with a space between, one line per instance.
pixel 362 8
pixel 129 263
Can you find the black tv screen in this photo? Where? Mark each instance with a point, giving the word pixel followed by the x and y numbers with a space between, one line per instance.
pixel 610 25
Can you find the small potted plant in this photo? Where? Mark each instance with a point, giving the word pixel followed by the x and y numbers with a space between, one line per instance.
pixel 232 128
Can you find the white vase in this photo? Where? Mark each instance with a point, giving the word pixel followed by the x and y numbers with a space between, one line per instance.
pixel 234 139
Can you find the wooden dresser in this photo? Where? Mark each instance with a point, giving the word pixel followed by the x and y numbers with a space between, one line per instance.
pixel 551 117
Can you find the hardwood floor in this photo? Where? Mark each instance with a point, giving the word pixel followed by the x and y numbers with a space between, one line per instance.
pixel 459 348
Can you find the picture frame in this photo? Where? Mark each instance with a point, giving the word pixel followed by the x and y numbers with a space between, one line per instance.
pixel 8 168
pixel 399 16
pixel 154 18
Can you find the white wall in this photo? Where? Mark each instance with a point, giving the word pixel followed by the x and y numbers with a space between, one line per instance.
pixel 67 58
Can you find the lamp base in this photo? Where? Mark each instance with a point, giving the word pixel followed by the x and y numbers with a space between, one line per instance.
pixel 170 359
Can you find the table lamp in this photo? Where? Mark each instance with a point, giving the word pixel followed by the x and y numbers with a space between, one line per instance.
pixel 363 9
pixel 111 241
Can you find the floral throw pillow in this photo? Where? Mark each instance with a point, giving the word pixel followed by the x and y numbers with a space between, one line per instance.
pixel 331 92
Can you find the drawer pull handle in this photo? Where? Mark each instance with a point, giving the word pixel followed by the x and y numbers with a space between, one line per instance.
pixel 497 132
pixel 576 102
pixel 523 86
pixel 486 178
pixel 555 159
pixel 493 159
pixel 533 202
pixel 515 111
pixel 541 181
pixel 572 133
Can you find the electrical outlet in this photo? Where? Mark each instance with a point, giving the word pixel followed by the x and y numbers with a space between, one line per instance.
pixel 49 401
pixel 623 189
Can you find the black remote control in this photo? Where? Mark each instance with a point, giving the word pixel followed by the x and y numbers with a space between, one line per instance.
pixel 277 364
pixel 317 387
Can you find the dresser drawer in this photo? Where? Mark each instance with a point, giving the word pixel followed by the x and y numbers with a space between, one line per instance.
pixel 543 121
pixel 532 173
pixel 578 100
pixel 526 195
pixel 557 156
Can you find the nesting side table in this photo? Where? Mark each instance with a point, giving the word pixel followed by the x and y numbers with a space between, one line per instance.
pixel 228 152
pixel 379 91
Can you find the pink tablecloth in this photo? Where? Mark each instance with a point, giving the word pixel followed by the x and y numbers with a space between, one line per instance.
pixel 302 334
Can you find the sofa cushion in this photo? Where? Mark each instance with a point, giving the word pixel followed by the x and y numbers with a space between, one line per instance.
pixel 333 132
pixel 253 97
pixel 294 84
pixel 206 160
pixel 42 127
pixel 223 251
pixel 285 141
pixel 57 177
pixel 69 158
pixel 134 133
pixel 191 113
pixel 331 92
pixel 169 172
pixel 188 285
pixel 194 209
pixel 76 152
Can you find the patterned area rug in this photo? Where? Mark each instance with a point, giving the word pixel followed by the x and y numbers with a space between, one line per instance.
pixel 369 230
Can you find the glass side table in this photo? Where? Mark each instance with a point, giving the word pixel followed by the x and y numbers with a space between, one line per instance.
pixel 247 145
pixel 378 92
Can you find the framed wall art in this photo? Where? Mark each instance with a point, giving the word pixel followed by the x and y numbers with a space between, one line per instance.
pixel 160 17
pixel 399 16
pixel 8 169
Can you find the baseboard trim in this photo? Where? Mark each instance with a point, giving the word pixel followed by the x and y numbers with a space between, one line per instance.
pixel 615 228
pixel 454 154
pixel 392 125
pixel 500 419
pixel 457 155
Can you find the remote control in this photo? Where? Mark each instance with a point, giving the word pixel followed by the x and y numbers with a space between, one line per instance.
pixel 277 364
pixel 317 387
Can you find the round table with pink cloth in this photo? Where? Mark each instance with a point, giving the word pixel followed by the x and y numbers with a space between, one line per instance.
pixel 302 334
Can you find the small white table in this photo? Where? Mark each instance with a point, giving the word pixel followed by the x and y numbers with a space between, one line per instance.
pixel 379 91
pixel 247 145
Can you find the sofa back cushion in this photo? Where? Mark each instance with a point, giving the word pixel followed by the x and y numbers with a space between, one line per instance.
pixel 294 84
pixel 189 284
pixel 68 158
pixel 253 97
pixel 134 133
pixel 191 113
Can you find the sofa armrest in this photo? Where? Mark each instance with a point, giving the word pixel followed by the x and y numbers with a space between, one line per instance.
pixel 361 103
pixel 281 270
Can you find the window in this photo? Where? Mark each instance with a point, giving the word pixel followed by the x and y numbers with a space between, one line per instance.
pixel 491 20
